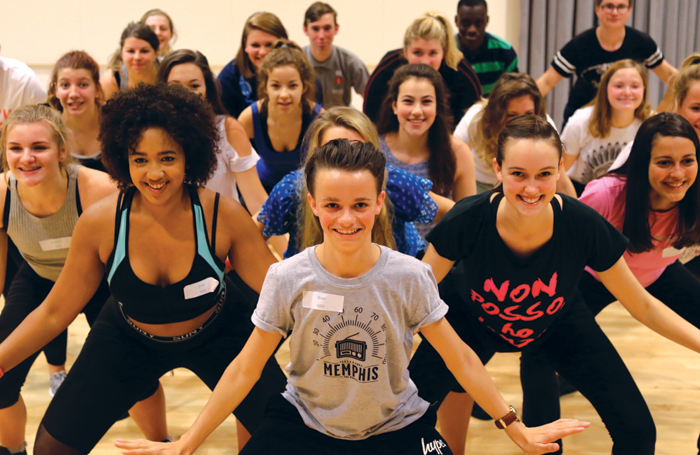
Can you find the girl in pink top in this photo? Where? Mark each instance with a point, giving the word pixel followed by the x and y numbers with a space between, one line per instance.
pixel 653 200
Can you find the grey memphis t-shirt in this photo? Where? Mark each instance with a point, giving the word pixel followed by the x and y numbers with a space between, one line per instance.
pixel 348 375
pixel 341 72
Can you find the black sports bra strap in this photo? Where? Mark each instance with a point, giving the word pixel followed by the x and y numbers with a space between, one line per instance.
pixel 78 205
pixel 118 217
pixel 213 224
pixel 6 212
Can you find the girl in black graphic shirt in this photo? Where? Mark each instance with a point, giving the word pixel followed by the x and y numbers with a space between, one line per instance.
pixel 514 286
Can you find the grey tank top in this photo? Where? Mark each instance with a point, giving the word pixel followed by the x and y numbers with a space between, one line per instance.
pixel 43 242
pixel 418 169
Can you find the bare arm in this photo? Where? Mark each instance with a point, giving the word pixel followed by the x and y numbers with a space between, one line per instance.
pixel 240 376
pixel 109 84
pixel 444 205
pixel 548 80
pixel 647 309
pixel 246 121
pixel 665 72
pixel 248 181
pixel 565 186
pixel 465 178
pixel 3 233
pixel 569 160
pixel 93 186
pixel 471 374
pixel 440 265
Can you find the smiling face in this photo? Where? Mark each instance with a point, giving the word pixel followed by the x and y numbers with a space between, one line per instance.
pixel 429 52
pixel 690 108
pixel 76 91
pixel 672 170
pixel 613 13
pixel 258 45
pixel 321 32
pixel 529 173
pixel 285 88
pixel 157 166
pixel 161 27
pixel 32 152
pixel 346 204
pixel 138 55
pixel 626 89
pixel 188 75
pixel 415 106
pixel 471 23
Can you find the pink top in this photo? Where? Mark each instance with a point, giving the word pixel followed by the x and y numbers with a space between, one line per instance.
pixel 607 196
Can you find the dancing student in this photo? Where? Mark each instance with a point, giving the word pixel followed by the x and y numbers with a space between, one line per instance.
pixel 239 87
pixel 653 201
pixel 236 159
pixel 276 123
pixel 287 210
pixel 162 25
pixel 513 95
pixel 163 257
pixel 429 39
pixel 514 287
pixel 134 62
pixel 75 91
pixel 352 307
pixel 415 126
pixel 596 134
pixel 589 54
pixel 41 197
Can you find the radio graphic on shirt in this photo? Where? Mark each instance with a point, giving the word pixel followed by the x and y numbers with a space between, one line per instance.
pixel 352 344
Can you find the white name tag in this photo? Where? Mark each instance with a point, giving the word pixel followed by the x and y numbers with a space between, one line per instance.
pixel 670 251
pixel 55 244
pixel 323 301
pixel 205 286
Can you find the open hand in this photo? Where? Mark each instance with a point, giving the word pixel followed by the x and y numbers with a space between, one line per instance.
pixel 145 447
pixel 539 440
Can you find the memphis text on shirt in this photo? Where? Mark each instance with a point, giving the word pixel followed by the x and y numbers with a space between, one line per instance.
pixel 523 337
pixel 349 369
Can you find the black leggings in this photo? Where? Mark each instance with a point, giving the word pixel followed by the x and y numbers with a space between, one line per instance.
pixel 27 291
pixel 117 364
pixel 676 287
pixel 283 431
pixel 578 350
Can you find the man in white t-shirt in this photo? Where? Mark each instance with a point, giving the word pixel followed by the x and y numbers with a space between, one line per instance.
pixel 338 69
pixel 19 87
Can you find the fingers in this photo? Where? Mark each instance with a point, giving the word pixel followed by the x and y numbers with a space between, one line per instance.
pixel 140 447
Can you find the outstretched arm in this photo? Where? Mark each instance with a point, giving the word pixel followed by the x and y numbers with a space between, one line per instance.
pixel 548 80
pixel 465 365
pixel 440 265
pixel 647 309
pixel 240 376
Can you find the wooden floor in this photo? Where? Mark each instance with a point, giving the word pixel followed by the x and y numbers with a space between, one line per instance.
pixel 668 375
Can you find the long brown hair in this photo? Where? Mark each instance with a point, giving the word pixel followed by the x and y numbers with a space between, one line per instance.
pixel 265 22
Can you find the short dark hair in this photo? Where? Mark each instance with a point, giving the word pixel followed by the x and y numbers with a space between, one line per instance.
pixel 198 59
pixel 472 3
pixel 636 173
pixel 531 127
pixel 318 9
pixel 185 116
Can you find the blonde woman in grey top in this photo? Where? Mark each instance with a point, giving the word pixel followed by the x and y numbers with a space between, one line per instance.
pixel 41 198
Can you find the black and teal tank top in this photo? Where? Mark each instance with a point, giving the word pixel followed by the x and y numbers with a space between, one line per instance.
pixel 152 304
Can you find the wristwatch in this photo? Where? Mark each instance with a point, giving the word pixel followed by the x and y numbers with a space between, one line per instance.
pixel 507 419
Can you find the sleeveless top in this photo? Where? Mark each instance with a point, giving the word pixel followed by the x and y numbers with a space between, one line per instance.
pixel 417 169
pixel 122 76
pixel 150 303
pixel 273 165
pixel 93 161
pixel 43 241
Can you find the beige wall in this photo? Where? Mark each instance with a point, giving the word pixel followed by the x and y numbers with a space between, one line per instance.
pixel 38 32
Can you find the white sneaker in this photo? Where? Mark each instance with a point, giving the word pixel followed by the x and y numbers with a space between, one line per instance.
pixel 56 381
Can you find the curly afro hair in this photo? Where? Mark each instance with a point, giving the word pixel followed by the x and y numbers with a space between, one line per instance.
pixel 186 117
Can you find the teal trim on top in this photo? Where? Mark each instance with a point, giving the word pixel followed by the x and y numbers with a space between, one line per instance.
pixel 120 247
pixel 202 247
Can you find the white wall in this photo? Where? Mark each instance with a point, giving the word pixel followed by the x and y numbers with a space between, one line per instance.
pixel 38 32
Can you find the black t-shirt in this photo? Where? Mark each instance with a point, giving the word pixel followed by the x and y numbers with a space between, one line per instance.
pixel 518 299
pixel 584 57
pixel 462 83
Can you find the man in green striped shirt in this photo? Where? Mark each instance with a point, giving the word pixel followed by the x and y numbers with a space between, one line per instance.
pixel 489 55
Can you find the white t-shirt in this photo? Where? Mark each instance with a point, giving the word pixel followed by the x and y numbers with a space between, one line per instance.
pixel 224 181
pixel 622 157
pixel 595 155
pixel 19 87
pixel 466 130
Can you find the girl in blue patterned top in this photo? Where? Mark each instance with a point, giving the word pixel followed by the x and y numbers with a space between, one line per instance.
pixel 283 212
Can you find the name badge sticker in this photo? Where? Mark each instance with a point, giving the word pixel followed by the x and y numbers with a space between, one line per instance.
pixel 322 301
pixel 670 252
pixel 55 244
pixel 205 286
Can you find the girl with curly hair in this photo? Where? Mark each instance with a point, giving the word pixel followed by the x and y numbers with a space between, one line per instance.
pixel 163 257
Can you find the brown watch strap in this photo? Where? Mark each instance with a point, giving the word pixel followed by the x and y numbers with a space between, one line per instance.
pixel 507 419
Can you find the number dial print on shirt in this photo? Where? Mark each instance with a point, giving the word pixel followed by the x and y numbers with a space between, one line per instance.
pixel 352 345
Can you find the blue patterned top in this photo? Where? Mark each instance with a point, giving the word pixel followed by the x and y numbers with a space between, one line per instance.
pixel 407 192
